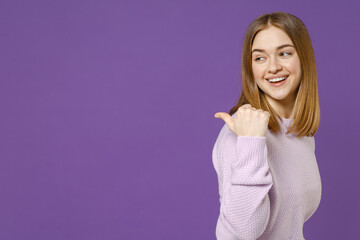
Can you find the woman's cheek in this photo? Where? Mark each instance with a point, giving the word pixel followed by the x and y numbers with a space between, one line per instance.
pixel 258 73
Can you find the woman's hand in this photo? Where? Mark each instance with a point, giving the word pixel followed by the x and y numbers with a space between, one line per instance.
pixel 248 121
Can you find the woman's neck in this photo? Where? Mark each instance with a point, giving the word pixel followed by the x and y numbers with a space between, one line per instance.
pixel 284 108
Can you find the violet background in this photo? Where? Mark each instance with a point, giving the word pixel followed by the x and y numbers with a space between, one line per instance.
pixel 107 127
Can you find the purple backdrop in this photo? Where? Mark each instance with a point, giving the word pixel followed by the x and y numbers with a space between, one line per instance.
pixel 107 127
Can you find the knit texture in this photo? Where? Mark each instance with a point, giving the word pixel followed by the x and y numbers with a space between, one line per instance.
pixel 268 186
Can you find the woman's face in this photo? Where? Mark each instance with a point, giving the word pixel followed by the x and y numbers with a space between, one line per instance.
pixel 273 56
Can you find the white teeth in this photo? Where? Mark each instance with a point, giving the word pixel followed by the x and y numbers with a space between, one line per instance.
pixel 276 79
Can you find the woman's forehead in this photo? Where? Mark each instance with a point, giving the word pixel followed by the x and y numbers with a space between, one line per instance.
pixel 271 38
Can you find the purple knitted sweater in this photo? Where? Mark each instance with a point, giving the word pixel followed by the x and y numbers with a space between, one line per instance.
pixel 268 186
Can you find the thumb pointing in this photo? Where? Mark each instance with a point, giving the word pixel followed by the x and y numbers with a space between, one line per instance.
pixel 218 115
pixel 226 117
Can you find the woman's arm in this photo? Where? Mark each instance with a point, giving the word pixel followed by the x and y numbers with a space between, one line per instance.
pixel 241 163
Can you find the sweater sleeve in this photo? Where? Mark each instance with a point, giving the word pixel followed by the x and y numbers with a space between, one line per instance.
pixel 244 204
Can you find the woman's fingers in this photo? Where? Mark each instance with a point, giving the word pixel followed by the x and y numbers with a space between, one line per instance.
pixel 246 106
pixel 249 121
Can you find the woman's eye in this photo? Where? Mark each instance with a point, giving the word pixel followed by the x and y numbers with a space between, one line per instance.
pixel 288 54
pixel 258 58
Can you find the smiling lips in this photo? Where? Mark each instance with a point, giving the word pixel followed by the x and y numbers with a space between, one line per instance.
pixel 277 82
pixel 276 78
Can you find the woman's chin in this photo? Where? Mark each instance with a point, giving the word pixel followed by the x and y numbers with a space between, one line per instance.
pixel 278 97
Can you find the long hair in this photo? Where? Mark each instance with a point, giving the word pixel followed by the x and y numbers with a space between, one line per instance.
pixel 306 107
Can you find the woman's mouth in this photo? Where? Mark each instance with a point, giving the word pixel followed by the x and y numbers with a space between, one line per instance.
pixel 277 82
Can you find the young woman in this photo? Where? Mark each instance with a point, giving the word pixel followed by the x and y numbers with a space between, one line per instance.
pixel 264 156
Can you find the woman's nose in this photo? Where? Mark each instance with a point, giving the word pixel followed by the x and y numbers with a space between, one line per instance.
pixel 274 66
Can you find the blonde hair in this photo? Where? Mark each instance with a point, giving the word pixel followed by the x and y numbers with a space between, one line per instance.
pixel 306 107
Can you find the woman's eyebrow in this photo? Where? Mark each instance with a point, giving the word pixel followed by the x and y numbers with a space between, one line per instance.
pixel 279 47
